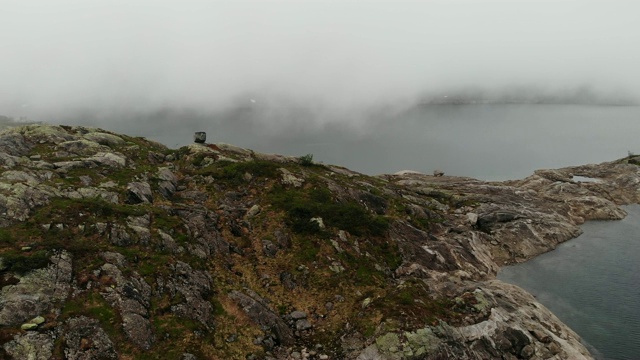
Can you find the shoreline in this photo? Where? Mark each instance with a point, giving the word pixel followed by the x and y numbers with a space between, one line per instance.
pixel 439 244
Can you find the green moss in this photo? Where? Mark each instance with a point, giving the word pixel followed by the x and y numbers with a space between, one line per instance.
pixel 24 262
pixel 303 205
pixel 218 309
pixel 233 173
pixel 162 220
pixel 6 238
pixel 366 274
pixel 307 249
pixel 93 305
pixel 63 209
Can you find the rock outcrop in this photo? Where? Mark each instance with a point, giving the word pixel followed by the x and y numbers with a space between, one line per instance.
pixel 113 246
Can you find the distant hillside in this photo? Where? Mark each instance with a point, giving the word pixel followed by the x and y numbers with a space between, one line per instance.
pixel 530 95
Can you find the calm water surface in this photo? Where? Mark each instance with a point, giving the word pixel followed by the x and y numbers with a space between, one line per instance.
pixel 489 142
pixel 592 283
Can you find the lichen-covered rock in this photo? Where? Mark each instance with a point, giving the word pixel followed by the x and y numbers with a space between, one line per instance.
pixel 132 295
pixel 39 292
pixel 269 249
pixel 167 182
pixel 289 179
pixel 108 159
pixel 206 240
pixel 138 329
pixel 84 339
pixel 14 144
pixel 194 286
pixel 103 138
pixel 263 316
pixel 119 235
pixel 81 147
pixel 31 346
pixel 139 192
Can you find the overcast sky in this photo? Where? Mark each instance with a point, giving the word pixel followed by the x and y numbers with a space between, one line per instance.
pixel 341 54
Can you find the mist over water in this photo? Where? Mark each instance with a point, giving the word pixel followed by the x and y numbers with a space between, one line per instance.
pixel 489 141
pixel 343 80
pixel 330 57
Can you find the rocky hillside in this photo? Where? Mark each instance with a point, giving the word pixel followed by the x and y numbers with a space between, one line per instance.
pixel 114 247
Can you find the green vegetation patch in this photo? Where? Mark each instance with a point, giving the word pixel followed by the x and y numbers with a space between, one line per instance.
pixel 23 262
pixel 413 298
pixel 64 209
pixel 233 172
pixel 303 205
pixel 306 160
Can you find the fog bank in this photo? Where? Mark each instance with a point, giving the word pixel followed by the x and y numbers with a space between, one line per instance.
pixel 340 61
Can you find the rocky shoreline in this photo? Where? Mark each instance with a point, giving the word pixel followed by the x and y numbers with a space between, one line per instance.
pixel 117 247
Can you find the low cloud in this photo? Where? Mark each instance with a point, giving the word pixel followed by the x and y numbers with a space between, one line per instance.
pixel 329 61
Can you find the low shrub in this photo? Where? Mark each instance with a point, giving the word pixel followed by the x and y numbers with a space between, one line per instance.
pixel 303 205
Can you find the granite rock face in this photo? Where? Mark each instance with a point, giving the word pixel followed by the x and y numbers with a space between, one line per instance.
pixel 39 292
pixel 113 246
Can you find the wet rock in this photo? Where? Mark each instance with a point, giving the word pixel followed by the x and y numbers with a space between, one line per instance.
pixel 231 338
pixel 9 161
pixel 44 134
pixel 139 192
pixel 336 267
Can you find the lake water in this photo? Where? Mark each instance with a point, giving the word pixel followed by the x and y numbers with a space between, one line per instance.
pixel 489 142
pixel 592 283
